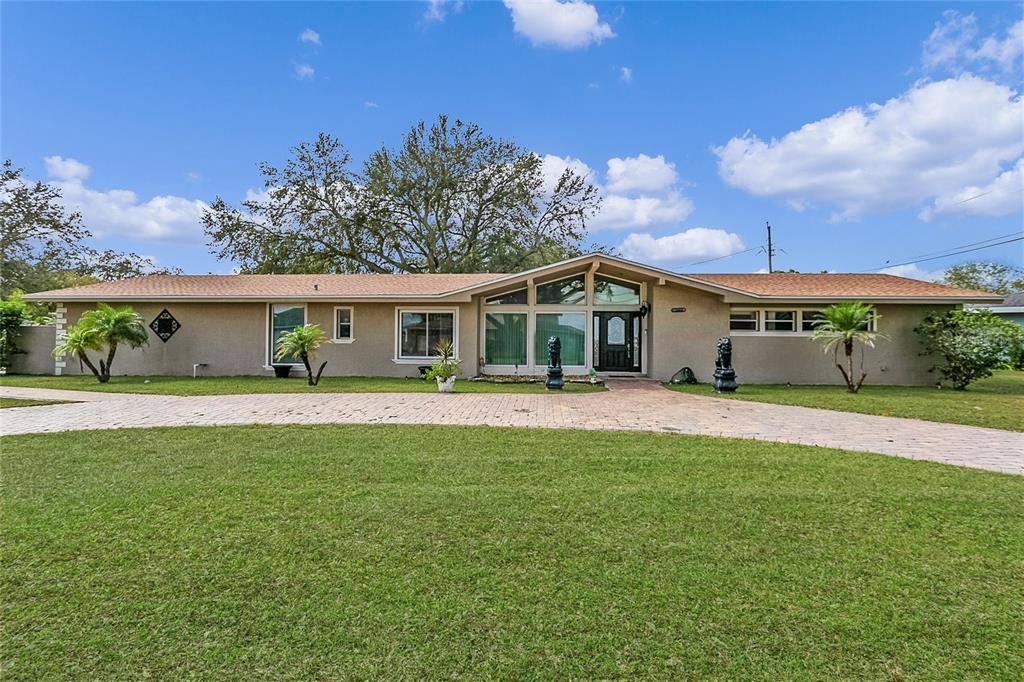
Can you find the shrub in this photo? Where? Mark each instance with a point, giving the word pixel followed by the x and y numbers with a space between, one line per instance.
pixel 970 344
pixel 13 311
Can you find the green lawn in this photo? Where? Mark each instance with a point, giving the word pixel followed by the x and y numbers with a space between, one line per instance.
pixel 249 384
pixel 23 402
pixel 996 402
pixel 391 552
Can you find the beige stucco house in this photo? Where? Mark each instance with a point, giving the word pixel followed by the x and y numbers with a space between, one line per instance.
pixel 617 316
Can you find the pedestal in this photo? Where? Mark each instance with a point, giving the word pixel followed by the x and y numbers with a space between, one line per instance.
pixel 554 382
pixel 725 380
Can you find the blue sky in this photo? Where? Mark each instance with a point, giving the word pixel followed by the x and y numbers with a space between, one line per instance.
pixel 858 130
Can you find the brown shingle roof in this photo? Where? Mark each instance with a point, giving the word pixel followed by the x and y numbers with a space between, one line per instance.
pixel 834 285
pixel 272 286
pixel 394 286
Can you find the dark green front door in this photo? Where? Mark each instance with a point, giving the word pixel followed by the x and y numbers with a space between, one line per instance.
pixel 617 342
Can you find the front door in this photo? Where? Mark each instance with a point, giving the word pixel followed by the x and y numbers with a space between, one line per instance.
pixel 617 342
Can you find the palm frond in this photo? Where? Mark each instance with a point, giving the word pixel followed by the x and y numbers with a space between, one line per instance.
pixel 303 340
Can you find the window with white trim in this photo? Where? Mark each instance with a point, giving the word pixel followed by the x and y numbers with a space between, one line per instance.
pixel 808 318
pixel 609 290
pixel 419 332
pixel 780 320
pixel 743 320
pixel 343 324
pixel 284 318
pixel 517 297
pixel 567 291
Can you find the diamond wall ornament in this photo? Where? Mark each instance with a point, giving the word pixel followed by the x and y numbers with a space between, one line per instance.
pixel 164 325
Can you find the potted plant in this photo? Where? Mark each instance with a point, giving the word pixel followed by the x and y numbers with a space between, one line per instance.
pixel 445 368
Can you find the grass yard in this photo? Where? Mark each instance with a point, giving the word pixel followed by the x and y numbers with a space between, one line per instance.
pixel 996 402
pixel 392 552
pixel 254 384
pixel 25 402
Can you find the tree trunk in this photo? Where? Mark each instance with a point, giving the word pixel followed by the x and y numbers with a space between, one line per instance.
pixel 851 387
pixel 84 359
pixel 316 382
pixel 309 370
pixel 105 366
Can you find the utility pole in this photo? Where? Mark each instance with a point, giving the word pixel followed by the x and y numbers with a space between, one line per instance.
pixel 771 250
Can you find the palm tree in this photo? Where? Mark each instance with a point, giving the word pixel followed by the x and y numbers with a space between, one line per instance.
pixel 303 341
pixel 845 324
pixel 76 342
pixel 115 326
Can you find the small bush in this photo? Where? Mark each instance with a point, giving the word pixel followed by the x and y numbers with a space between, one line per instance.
pixel 969 344
pixel 13 311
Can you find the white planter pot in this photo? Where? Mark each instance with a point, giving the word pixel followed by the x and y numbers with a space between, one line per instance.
pixel 445 385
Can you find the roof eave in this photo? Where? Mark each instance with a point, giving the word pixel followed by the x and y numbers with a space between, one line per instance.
pixel 325 298
pixel 864 297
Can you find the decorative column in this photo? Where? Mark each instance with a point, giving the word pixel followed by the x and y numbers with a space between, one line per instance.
pixel 60 324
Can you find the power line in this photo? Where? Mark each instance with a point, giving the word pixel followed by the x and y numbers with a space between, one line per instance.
pixel 976 196
pixel 947 255
pixel 712 260
pixel 962 246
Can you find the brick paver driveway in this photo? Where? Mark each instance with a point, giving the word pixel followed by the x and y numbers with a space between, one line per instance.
pixel 628 406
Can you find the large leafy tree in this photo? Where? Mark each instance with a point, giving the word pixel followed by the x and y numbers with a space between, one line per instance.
pixel 450 198
pixel 34 226
pixel 986 276
pixel 42 244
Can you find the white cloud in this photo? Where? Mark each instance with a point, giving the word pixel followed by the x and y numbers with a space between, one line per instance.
pixel 119 211
pixel 370 104
pixel 309 36
pixel 65 169
pixel 953 45
pixel 931 141
pixel 437 10
pixel 553 167
pixel 304 71
pixel 640 191
pixel 193 176
pixel 626 74
pixel 640 173
pixel 950 38
pixel 620 212
pixel 1006 52
pixel 694 243
pixel 569 25
pixel 913 272
pixel 1003 196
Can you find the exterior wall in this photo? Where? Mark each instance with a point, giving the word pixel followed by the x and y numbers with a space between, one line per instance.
pixel 685 339
pixel 1016 318
pixel 372 349
pixel 37 342
pixel 228 337
pixel 231 339
pixel 895 360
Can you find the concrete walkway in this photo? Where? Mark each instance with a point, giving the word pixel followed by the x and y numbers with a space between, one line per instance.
pixel 628 406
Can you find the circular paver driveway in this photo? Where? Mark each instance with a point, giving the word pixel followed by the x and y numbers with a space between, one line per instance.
pixel 628 406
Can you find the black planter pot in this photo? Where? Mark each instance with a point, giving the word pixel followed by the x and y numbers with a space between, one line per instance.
pixel 282 371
